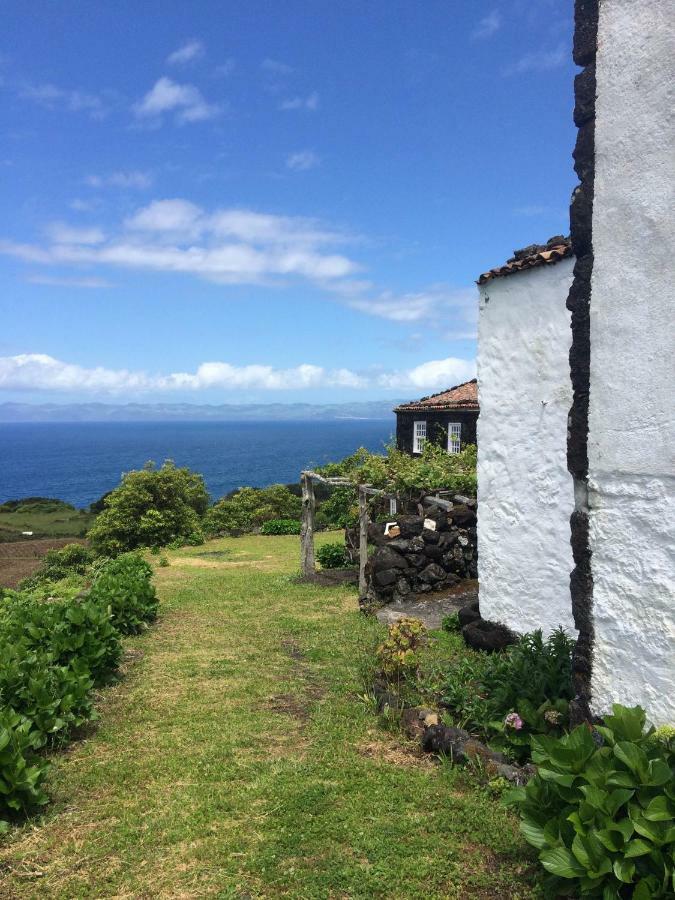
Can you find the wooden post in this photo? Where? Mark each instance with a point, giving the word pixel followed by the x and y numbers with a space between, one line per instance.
pixel 307 562
pixel 363 541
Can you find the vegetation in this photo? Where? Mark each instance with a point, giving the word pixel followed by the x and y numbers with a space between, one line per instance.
pixel 399 655
pixel 250 508
pixel 124 586
pixel 56 564
pixel 151 507
pixel 602 814
pixel 398 472
pixel 281 526
pixel 239 757
pixel 44 517
pixel 506 697
pixel 332 556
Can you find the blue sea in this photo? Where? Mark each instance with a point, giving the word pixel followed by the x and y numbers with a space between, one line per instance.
pixel 79 462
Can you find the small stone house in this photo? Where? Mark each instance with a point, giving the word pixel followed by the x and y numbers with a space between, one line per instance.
pixel 448 418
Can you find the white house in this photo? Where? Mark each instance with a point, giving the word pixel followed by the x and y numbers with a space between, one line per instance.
pixel 525 492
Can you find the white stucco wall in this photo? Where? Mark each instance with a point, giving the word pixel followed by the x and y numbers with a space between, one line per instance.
pixel 632 393
pixel 525 493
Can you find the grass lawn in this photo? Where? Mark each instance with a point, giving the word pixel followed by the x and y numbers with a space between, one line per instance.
pixel 238 758
pixel 49 524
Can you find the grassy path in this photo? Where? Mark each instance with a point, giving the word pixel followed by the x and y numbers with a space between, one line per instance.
pixel 237 759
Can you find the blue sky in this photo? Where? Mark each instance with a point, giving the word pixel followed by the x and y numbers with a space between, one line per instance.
pixel 264 201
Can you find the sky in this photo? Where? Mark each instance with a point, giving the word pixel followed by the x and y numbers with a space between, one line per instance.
pixel 255 201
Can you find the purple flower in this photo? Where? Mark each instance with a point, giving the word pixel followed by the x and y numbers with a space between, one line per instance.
pixel 514 721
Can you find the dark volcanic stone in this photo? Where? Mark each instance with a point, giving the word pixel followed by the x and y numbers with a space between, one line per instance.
pixel 584 152
pixel 386 558
pixel 385 577
pixel 584 96
pixel 410 525
pixel 585 31
pixel 469 613
pixel 417 545
pixel 432 574
pixel 418 560
pixel 581 214
pixel 488 636
pixel 463 517
pixel 402 587
pixel 433 551
pixel 430 537
pixel 376 534
pixel 447 539
pixel 401 545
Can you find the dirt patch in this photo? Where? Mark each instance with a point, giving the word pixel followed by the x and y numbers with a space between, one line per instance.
pixel 430 609
pixel 397 754
pixel 20 559
pixel 330 577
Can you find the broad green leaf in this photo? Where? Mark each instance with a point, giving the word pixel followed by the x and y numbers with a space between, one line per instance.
pixel 659 773
pixel 611 839
pixel 533 834
pixel 632 756
pixel 642 891
pixel 638 847
pixel 627 723
pixel 561 862
pixel 624 870
pixel 658 810
pixel 557 777
pixel 617 799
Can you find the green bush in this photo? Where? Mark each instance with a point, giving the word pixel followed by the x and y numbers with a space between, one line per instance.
pixel 451 622
pixel 399 654
pixel 341 508
pixel 22 771
pixel 332 556
pixel 151 507
pixel 509 696
pixel 124 585
pixel 281 526
pixel 250 508
pixel 602 813
pixel 73 559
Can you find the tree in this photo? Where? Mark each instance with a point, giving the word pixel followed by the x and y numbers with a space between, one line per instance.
pixel 150 508
pixel 250 508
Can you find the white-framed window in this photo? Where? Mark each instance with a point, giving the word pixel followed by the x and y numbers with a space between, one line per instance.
pixel 419 436
pixel 454 437
pixel 393 506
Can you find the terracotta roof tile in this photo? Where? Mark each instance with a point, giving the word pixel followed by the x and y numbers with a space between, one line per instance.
pixel 555 249
pixel 462 396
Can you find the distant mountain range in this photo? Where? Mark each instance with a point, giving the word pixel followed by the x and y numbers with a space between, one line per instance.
pixel 193 412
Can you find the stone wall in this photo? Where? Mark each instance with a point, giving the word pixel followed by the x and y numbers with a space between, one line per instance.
pixel 428 553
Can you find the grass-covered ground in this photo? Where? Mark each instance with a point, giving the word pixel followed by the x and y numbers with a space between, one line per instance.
pixel 238 758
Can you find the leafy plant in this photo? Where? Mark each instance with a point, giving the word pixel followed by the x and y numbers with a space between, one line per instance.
pixel 22 771
pixel 341 508
pixel 602 812
pixel 509 696
pixel 451 622
pixel 124 585
pixel 250 508
pixel 281 526
pixel 399 654
pixel 151 507
pixel 333 555
pixel 73 559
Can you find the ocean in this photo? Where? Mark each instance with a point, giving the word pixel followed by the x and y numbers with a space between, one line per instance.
pixel 79 462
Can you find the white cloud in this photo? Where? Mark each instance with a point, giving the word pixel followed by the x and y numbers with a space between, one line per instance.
pixel 225 68
pixel 232 246
pixel 441 304
pixel 189 51
pixel 55 281
pixel 62 233
pixel 488 25
pixel 275 67
pixel 53 97
pixel 539 61
pixel 38 371
pixel 309 103
pixel 437 373
pixel 123 179
pixel 185 101
pixel 302 160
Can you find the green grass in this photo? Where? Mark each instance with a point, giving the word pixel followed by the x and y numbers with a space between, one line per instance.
pixel 238 758
pixel 56 523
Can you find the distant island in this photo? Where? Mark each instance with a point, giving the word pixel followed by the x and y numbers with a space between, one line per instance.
pixel 193 412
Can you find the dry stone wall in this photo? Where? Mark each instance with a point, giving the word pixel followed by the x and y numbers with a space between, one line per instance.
pixel 424 553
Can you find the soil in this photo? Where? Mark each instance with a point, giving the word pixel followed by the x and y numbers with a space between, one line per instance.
pixel 19 559
pixel 431 608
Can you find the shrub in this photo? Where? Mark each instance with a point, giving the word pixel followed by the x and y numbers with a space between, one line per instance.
pixel 509 696
pixel 281 526
pixel 124 585
pixel 73 559
pixel 341 508
pixel 451 622
pixel 151 507
pixel 602 813
pixel 250 508
pixel 399 654
pixel 333 555
pixel 22 771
